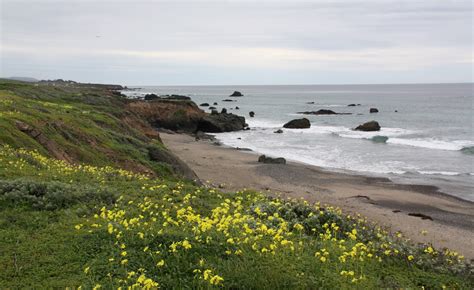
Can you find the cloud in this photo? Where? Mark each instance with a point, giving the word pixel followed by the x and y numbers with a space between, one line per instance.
pixel 237 37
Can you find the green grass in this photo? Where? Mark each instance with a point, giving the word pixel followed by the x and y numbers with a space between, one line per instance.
pixel 92 223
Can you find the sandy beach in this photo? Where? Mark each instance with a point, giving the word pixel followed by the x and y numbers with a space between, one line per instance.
pixel 410 209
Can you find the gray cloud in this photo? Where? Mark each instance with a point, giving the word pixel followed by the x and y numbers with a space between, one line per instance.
pixel 196 42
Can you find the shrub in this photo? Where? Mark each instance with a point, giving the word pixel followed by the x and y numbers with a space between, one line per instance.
pixel 51 195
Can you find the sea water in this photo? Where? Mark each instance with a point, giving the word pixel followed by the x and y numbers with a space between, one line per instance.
pixel 426 136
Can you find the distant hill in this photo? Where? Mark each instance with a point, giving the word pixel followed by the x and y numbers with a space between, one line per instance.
pixel 24 79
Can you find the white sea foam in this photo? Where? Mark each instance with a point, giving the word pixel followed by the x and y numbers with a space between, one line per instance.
pixel 432 143
pixel 449 173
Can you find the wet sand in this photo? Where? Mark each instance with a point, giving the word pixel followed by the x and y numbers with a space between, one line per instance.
pixel 410 209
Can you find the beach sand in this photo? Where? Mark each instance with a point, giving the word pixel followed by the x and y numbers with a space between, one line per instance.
pixel 378 199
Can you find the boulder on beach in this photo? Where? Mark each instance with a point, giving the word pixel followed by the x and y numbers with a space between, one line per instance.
pixel 298 124
pixel 215 104
pixel 237 108
pixel 279 131
pixel 252 114
pixel 224 111
pixel 270 160
pixel 236 94
pixel 351 105
pixel 374 110
pixel 228 100
pixel 216 123
pixel 204 105
pixel 212 108
pixel 369 126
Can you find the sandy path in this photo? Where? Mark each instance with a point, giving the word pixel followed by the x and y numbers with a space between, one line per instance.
pixel 378 199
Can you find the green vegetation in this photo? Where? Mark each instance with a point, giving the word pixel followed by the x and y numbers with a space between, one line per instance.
pixel 93 223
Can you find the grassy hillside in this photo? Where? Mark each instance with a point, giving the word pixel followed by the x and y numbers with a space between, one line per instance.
pixel 90 124
pixel 90 222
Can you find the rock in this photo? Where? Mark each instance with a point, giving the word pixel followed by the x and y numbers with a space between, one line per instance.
pixel 298 124
pixel 224 111
pixel 50 145
pixel 149 97
pixel 214 112
pixel 279 131
pixel 215 104
pixel 351 105
pixel 251 114
pixel 270 160
pixel 204 105
pixel 216 123
pixel 322 112
pixel 369 126
pixel 236 94
pixel 178 166
pixel 212 108
pixel 176 115
pixel 177 97
pixel 310 103
pixel 396 111
pixel 237 108
pixel 319 112
pixel 374 110
pixel 228 100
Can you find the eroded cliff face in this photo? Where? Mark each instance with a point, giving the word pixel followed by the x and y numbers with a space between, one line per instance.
pixel 176 115
pixel 184 116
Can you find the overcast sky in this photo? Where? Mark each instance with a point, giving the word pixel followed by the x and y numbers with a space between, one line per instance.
pixel 238 42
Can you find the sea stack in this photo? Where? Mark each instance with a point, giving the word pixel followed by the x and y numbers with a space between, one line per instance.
pixel 237 94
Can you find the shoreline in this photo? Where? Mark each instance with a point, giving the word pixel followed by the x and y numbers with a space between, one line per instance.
pixel 419 188
pixel 408 208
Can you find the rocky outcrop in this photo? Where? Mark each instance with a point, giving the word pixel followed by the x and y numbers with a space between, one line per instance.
pixel 48 144
pixel 373 110
pixel 185 116
pixel 176 97
pixel 175 115
pixel 322 112
pixel 149 97
pixel 298 124
pixel 236 94
pixel 270 160
pixel 178 166
pixel 369 126
pixel 216 123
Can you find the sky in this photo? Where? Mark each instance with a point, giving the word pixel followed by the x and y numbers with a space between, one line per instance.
pixel 238 42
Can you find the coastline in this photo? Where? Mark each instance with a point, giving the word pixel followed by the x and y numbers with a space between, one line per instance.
pixel 407 208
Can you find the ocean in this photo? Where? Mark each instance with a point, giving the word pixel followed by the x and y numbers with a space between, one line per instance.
pixel 428 128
